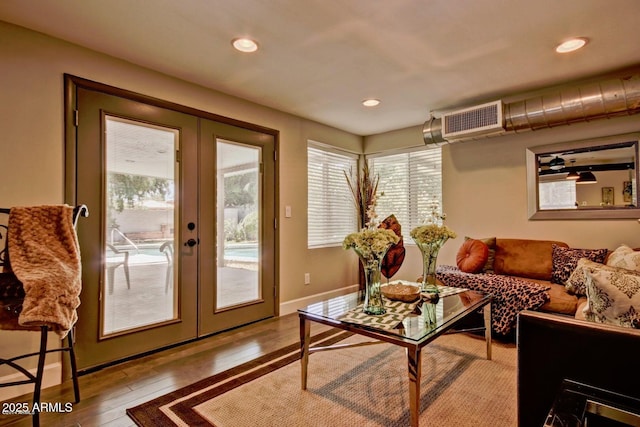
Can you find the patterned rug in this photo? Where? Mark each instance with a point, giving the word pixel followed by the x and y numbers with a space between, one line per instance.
pixel 361 386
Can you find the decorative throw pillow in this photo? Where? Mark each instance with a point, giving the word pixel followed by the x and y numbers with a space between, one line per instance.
pixel 394 258
pixel 472 256
pixel 565 260
pixel 624 257
pixel 491 245
pixel 577 281
pixel 613 295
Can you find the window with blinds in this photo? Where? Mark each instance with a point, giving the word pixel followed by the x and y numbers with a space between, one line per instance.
pixel 559 194
pixel 331 213
pixel 409 181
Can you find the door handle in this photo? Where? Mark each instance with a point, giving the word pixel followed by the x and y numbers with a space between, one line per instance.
pixel 192 242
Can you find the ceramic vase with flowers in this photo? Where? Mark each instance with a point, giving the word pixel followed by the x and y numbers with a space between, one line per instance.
pixel 430 238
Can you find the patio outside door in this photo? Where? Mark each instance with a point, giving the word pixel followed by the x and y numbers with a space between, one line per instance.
pixel 180 240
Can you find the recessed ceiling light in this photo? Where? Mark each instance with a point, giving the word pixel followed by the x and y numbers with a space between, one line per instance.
pixel 245 45
pixel 571 45
pixel 371 102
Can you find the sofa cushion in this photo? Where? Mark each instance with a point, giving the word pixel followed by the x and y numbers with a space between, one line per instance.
pixel 525 257
pixel 565 260
pixel 613 295
pixel 491 244
pixel 472 256
pixel 560 301
pixel 624 257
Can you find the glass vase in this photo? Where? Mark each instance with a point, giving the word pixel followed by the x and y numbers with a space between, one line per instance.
pixel 373 301
pixel 430 252
pixel 429 314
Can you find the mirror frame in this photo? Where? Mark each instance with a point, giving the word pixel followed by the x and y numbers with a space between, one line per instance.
pixel 534 211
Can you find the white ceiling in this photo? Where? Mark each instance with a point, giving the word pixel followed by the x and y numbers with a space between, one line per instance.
pixel 319 59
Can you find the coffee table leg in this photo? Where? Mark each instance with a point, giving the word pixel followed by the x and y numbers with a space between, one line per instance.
pixel 305 333
pixel 487 328
pixel 414 364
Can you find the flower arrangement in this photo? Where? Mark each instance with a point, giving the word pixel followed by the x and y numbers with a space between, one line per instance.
pixel 431 233
pixel 371 243
pixel 434 229
pixel 430 238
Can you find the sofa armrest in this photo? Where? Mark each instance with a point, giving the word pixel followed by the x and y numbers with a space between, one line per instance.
pixel 554 347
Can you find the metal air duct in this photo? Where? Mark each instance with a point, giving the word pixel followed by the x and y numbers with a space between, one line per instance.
pixel 591 101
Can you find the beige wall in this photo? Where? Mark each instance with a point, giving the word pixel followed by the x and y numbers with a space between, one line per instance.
pixel 32 154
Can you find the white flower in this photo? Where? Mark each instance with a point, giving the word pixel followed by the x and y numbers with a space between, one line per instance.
pixel 433 215
pixel 434 229
pixel 371 243
pixel 431 233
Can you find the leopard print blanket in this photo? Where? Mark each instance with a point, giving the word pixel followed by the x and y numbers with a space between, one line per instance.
pixel 511 295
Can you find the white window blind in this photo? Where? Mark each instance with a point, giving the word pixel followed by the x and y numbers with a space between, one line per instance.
pixel 331 213
pixel 410 181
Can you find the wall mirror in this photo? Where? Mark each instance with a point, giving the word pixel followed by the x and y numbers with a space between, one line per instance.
pixel 590 179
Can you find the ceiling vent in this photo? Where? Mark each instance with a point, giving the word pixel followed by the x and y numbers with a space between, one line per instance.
pixel 485 119
pixel 614 97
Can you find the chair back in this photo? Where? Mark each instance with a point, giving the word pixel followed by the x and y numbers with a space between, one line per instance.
pixel 167 249
pixel 78 211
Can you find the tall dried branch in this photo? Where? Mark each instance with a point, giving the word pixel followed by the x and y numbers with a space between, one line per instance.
pixel 363 189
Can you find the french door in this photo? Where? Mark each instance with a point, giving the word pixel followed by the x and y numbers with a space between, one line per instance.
pixel 237 195
pixel 180 241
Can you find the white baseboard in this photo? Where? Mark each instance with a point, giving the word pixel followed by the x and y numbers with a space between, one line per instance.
pixel 52 376
pixel 293 305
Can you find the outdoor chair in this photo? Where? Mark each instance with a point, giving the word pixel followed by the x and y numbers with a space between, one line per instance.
pixel 167 250
pixel 116 262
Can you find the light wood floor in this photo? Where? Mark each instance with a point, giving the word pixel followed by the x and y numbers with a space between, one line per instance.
pixel 106 394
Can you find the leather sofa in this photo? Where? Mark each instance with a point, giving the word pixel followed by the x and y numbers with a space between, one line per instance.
pixel 529 260
pixel 554 348
pixel 533 260
pixel 519 275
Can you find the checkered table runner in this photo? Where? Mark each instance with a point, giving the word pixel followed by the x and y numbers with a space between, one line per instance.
pixel 396 311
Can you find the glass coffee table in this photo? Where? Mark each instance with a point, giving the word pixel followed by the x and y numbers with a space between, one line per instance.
pixel 409 325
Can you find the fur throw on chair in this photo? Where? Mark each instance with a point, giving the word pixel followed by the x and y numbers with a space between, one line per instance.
pixel 45 256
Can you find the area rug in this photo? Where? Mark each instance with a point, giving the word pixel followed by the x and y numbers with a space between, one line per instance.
pixel 361 386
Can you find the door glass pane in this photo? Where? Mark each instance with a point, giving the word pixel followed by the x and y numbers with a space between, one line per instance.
pixel 238 212
pixel 140 190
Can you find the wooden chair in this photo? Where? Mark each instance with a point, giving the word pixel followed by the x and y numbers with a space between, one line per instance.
pixel 11 297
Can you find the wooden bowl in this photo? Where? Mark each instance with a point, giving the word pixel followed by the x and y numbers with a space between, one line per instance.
pixel 400 292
